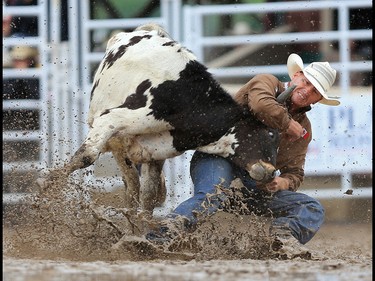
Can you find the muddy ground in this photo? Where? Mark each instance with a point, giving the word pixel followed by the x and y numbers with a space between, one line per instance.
pixel 63 236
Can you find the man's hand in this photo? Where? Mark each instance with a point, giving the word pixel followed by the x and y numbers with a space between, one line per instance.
pixel 277 184
pixel 294 131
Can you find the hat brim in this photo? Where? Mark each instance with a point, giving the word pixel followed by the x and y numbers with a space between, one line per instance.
pixel 329 101
pixel 294 64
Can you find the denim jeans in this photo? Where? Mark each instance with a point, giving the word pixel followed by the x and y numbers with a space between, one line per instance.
pixel 294 212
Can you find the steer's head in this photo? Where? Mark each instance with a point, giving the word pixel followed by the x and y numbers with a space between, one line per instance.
pixel 154 26
pixel 255 149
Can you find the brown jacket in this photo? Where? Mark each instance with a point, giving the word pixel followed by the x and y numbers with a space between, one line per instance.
pixel 259 94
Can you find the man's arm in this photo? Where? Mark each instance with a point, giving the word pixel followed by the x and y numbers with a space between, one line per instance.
pixel 290 178
pixel 259 95
pixel 290 162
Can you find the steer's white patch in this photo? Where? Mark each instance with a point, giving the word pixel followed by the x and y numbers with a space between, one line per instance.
pixel 151 147
pixel 224 147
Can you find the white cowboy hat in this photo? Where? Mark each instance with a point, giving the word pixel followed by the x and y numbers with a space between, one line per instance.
pixel 320 74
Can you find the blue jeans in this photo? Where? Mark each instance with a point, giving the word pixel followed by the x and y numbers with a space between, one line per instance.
pixel 291 211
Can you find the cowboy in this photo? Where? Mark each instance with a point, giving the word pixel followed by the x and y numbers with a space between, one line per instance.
pixel 22 57
pixel 296 217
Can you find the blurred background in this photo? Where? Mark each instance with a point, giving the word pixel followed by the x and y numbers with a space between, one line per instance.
pixel 51 50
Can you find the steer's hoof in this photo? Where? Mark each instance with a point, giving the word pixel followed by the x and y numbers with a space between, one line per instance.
pixel 137 245
pixel 42 183
pixel 48 179
pixel 146 249
pixel 160 237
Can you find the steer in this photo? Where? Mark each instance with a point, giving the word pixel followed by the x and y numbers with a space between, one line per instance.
pixel 152 100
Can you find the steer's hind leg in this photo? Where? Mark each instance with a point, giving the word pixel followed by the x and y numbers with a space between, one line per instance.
pixel 153 190
pixel 130 177
pixel 86 155
pixel 131 122
pixel 81 159
pixel 118 121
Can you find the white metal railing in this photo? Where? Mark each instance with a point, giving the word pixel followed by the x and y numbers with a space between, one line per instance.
pixel 197 41
pixel 41 43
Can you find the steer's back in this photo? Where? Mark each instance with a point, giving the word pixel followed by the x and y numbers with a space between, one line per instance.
pixel 151 83
pixel 131 58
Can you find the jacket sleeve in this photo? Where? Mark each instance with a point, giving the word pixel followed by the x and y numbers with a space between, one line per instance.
pixel 291 158
pixel 294 173
pixel 261 98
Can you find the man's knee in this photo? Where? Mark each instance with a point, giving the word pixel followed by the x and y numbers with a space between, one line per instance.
pixel 207 171
pixel 317 209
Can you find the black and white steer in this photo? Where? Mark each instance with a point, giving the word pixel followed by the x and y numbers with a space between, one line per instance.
pixel 152 100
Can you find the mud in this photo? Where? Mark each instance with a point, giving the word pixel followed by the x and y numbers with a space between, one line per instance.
pixel 62 235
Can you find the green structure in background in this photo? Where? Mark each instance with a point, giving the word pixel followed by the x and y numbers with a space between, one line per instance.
pixel 254 21
pixel 123 9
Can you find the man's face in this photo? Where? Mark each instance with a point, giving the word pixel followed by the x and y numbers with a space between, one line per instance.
pixel 22 63
pixel 305 93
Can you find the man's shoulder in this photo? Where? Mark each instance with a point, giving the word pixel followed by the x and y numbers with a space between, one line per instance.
pixel 266 79
pixel 266 76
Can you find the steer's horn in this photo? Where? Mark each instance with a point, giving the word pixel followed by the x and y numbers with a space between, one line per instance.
pixel 284 96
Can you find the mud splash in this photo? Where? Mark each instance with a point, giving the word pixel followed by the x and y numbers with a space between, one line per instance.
pixel 62 222
pixel 62 235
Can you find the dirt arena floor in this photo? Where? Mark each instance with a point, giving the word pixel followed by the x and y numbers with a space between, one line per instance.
pixel 62 236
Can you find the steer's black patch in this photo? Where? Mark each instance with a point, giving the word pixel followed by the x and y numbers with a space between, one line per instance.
pixel 105 112
pixel 112 56
pixel 199 109
pixel 170 43
pixel 94 86
pixel 138 99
